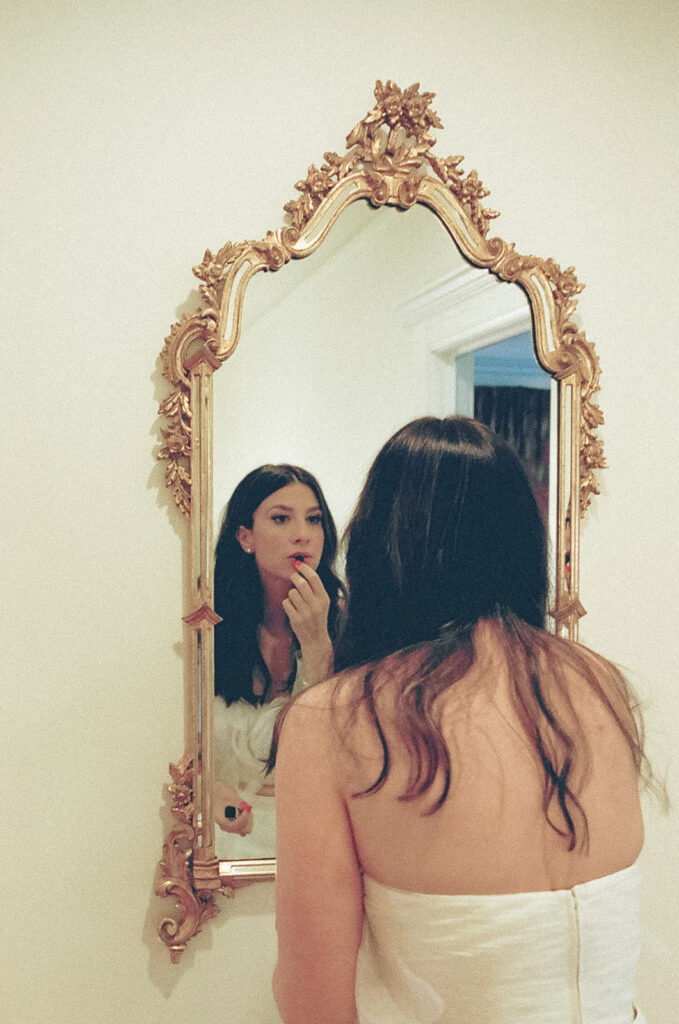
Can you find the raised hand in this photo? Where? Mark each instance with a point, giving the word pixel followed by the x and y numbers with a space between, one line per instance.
pixel 306 607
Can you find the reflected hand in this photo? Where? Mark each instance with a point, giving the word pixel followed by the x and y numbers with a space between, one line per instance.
pixel 224 796
pixel 306 607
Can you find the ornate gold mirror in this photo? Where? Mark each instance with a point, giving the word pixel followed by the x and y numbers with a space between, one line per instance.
pixel 407 308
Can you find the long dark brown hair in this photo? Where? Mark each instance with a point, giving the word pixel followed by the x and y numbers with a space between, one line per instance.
pixel 447 532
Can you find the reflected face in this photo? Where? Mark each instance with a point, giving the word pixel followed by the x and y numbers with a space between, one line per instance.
pixel 286 527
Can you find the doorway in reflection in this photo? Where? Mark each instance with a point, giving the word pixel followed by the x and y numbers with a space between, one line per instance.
pixel 503 386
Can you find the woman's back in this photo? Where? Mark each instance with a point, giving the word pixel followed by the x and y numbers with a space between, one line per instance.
pixel 491 834
pixel 479 911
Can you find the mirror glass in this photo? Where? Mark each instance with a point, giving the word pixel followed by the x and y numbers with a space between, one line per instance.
pixel 384 323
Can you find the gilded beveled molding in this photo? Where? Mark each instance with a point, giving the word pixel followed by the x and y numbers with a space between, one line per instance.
pixel 389 161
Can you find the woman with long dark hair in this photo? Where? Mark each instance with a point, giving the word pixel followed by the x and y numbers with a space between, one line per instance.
pixel 458 810
pixel 279 600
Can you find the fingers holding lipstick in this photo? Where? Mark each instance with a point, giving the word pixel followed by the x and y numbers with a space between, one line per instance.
pixel 307 596
pixel 307 592
pixel 309 575
pixel 307 613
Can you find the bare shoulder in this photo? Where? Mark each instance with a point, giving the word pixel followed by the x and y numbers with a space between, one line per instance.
pixel 593 697
pixel 333 694
pixel 595 681
pixel 314 718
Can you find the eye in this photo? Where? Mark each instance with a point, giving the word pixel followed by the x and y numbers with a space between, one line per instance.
pixel 316 519
pixel 280 517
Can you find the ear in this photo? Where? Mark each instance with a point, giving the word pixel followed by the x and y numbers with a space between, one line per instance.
pixel 244 538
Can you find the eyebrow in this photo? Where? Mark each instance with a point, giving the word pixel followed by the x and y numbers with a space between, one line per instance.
pixel 288 508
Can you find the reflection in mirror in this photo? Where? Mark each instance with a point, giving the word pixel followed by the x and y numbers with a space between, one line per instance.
pixel 386 322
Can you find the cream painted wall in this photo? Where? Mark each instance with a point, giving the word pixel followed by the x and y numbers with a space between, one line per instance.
pixel 136 134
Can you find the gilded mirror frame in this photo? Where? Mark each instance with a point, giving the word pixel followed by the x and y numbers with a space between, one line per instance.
pixel 389 161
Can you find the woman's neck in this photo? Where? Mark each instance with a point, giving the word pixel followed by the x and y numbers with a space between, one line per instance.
pixel 274 620
pixel 274 638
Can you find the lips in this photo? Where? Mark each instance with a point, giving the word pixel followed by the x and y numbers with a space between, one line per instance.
pixel 300 556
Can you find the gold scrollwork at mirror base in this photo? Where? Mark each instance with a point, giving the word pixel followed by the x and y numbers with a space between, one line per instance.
pixel 389 161
pixel 195 906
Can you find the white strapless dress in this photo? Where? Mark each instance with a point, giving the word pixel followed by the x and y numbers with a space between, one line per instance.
pixel 563 957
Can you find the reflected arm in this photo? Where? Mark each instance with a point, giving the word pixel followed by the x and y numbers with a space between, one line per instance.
pixel 319 901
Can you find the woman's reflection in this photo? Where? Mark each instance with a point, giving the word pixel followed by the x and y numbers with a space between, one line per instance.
pixel 279 598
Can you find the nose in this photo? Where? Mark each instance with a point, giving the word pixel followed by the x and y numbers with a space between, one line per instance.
pixel 301 529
